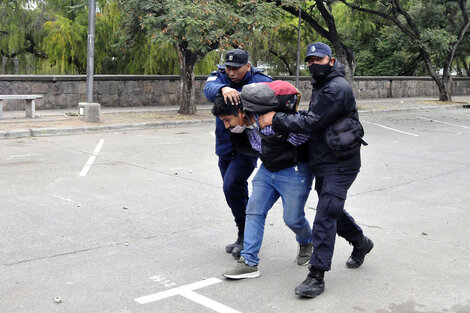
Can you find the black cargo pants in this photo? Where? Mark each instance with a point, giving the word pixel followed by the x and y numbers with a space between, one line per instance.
pixel 331 218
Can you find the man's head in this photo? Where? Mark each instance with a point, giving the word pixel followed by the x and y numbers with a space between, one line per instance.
pixel 231 115
pixel 319 60
pixel 236 65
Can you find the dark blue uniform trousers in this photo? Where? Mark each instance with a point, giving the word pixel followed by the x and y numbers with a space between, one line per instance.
pixel 332 219
pixel 235 173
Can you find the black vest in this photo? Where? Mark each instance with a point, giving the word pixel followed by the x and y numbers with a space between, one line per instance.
pixel 277 152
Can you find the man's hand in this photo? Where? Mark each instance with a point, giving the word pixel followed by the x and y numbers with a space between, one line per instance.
pixel 266 119
pixel 231 95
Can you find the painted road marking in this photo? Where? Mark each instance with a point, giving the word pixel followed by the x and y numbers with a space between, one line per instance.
pixel 187 291
pixel 389 128
pixel 212 134
pixel 441 122
pixel 22 156
pixel 162 280
pixel 92 158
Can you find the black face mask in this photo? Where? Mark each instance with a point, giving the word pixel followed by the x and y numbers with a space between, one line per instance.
pixel 319 71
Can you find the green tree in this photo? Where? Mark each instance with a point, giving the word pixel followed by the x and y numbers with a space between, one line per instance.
pixel 434 28
pixel 380 51
pixel 194 28
pixel 276 47
pixel 65 45
pixel 19 39
pixel 320 15
pixel 65 36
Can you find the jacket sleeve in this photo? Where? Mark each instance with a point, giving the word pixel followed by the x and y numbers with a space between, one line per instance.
pixel 327 108
pixel 214 83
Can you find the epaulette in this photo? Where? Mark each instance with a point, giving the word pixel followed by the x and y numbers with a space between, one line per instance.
pixel 213 76
pixel 260 71
pixel 221 68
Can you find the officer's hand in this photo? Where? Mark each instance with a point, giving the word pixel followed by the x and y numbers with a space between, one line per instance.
pixel 266 119
pixel 231 95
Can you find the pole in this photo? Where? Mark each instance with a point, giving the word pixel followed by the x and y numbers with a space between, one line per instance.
pixel 298 51
pixel 90 50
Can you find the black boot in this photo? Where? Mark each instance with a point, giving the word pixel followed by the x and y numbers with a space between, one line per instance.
pixel 359 252
pixel 238 248
pixel 235 248
pixel 313 285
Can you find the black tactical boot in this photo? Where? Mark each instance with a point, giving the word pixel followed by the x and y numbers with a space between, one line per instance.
pixel 313 285
pixel 359 252
pixel 238 248
pixel 235 248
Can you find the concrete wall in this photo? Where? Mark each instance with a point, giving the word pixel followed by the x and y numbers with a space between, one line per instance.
pixel 65 91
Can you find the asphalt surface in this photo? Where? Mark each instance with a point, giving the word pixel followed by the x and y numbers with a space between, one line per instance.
pixel 135 221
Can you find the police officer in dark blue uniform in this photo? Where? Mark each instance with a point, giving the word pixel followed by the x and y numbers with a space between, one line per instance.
pixel 234 167
pixel 332 99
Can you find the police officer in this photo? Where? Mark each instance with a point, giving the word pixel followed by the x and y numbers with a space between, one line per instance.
pixel 235 168
pixel 332 99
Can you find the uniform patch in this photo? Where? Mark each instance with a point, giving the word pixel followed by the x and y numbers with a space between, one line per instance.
pixel 211 78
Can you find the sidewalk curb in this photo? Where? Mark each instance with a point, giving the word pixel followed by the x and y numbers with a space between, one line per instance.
pixel 12 134
pixel 44 132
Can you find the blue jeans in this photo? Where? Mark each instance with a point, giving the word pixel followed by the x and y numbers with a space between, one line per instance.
pixel 235 173
pixel 293 185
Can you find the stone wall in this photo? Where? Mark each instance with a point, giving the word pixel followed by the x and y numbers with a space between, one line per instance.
pixel 66 91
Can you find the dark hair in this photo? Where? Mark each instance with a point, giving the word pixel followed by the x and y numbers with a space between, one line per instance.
pixel 222 108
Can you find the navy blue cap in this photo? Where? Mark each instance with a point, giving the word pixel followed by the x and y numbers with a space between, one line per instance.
pixel 318 49
pixel 236 57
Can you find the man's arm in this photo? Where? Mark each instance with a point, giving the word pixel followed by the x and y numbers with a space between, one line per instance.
pixel 297 139
pixel 214 83
pixel 326 110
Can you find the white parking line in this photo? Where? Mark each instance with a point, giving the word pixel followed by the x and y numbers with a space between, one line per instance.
pixel 208 303
pixel 21 156
pixel 389 128
pixel 92 158
pixel 441 122
pixel 187 291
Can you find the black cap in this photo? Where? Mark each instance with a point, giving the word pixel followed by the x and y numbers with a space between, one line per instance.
pixel 318 49
pixel 236 58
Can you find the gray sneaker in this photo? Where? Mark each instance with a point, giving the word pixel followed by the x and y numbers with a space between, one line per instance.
pixel 242 270
pixel 304 254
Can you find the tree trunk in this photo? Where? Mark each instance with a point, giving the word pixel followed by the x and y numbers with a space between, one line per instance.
pixel 187 63
pixel 346 56
pixel 445 93
pixel 443 83
pixel 4 63
pixel 465 66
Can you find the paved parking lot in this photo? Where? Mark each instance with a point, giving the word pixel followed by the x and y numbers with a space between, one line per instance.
pixel 136 222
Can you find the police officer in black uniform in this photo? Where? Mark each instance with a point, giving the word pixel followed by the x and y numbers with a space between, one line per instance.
pixel 332 99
